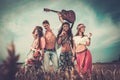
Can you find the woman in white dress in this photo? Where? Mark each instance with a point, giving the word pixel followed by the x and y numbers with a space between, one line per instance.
pixel 81 52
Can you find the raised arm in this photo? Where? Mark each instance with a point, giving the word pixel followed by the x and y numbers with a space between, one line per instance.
pixel 60 18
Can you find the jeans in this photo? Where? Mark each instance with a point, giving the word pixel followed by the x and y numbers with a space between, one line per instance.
pixel 50 55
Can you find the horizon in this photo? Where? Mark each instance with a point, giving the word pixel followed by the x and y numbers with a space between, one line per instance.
pixel 18 19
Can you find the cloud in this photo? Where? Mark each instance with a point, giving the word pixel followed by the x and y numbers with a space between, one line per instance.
pixel 21 20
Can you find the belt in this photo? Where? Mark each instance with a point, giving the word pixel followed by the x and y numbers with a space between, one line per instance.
pixel 50 49
pixel 81 51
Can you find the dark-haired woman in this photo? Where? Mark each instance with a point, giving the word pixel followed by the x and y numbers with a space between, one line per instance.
pixel 64 38
pixel 83 55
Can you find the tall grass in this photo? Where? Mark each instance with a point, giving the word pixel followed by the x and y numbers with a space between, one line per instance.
pixel 9 70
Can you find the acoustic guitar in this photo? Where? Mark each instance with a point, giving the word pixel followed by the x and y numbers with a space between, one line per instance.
pixel 66 15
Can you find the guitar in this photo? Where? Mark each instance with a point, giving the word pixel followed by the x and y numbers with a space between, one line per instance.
pixel 66 15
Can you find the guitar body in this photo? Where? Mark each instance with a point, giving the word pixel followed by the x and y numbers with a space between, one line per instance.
pixel 66 15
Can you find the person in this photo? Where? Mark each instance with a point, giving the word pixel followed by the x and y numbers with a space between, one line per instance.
pixel 50 51
pixel 64 39
pixel 81 52
pixel 37 49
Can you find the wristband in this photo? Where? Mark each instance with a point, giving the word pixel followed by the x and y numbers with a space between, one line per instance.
pixel 89 38
pixel 60 36
pixel 42 55
pixel 73 56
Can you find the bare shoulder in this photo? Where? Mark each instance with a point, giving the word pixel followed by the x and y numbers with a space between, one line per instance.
pixel 52 32
pixel 53 35
pixel 42 38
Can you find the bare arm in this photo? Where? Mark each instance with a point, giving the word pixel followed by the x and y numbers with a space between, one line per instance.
pixel 43 45
pixel 73 52
pixel 73 49
pixel 89 39
pixel 59 40
pixel 88 43
pixel 60 18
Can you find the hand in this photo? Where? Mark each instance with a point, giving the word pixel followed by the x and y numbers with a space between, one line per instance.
pixel 36 50
pixel 59 14
pixel 41 58
pixel 90 34
pixel 62 33
pixel 73 59
pixel 60 17
pixel 32 49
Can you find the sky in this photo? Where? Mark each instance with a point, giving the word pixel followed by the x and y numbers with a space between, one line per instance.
pixel 101 17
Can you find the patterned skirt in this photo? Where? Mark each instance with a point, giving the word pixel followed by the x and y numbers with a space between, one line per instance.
pixel 65 59
pixel 33 58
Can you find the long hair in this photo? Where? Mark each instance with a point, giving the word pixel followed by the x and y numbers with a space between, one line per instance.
pixel 78 29
pixel 69 32
pixel 40 34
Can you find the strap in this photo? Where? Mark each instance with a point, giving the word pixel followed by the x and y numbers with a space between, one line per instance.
pixel 72 25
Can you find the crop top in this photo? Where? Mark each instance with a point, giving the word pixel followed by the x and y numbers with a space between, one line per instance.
pixel 65 40
pixel 80 40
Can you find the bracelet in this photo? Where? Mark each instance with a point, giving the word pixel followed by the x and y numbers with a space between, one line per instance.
pixel 89 38
pixel 42 55
pixel 73 56
pixel 60 36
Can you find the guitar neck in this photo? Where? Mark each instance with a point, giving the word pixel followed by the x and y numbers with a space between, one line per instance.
pixel 46 9
pixel 54 11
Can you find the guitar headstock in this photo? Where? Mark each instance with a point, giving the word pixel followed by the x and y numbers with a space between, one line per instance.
pixel 46 9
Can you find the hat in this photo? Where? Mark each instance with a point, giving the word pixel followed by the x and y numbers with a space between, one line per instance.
pixel 81 26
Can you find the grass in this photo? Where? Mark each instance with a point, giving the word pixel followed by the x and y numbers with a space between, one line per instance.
pixel 9 70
